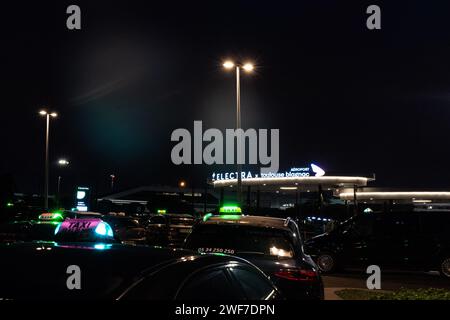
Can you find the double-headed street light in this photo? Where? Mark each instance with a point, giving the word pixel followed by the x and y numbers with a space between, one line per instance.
pixel 47 115
pixel 247 67
pixel 63 162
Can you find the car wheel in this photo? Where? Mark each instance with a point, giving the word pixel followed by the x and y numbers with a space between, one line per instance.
pixel 445 268
pixel 326 262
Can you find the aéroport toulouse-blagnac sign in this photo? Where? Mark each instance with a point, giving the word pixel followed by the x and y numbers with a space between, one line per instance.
pixel 312 170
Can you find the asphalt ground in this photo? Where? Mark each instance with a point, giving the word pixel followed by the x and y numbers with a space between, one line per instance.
pixel 390 280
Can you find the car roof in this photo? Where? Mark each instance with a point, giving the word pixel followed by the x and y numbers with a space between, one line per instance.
pixel 254 221
pixel 83 213
pixel 106 268
pixel 106 216
pixel 174 215
pixel 85 248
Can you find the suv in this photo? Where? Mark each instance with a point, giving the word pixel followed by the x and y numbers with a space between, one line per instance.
pixel 414 239
pixel 272 244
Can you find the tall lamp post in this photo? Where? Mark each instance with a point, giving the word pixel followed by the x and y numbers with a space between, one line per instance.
pixel 47 115
pixel 61 163
pixel 113 177
pixel 248 67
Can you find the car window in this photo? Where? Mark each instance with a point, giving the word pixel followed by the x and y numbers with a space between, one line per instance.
pixel 130 224
pixel 209 285
pixel 181 221
pixel 254 285
pixel 399 223
pixel 157 220
pixel 232 239
pixel 362 226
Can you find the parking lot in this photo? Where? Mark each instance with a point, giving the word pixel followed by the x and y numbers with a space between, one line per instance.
pixel 389 280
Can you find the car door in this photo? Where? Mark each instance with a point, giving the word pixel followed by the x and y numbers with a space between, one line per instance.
pixel 212 284
pixel 357 241
pixel 254 285
pixel 417 245
pixel 391 245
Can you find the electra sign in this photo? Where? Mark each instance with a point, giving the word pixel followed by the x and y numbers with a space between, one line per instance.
pixel 312 170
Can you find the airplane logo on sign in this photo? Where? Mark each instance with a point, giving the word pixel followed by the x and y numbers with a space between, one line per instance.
pixel 319 172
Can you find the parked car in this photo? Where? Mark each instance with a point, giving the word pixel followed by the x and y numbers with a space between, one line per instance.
pixel 126 229
pixel 169 229
pixel 405 240
pixel 42 228
pixel 125 272
pixel 272 244
pixel 15 231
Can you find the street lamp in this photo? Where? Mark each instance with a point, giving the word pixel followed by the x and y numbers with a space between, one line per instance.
pixel 61 163
pixel 113 177
pixel 47 115
pixel 247 67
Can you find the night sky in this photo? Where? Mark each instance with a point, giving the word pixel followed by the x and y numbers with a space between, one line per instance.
pixel 352 100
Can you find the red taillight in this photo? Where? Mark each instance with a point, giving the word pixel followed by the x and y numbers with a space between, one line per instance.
pixel 297 274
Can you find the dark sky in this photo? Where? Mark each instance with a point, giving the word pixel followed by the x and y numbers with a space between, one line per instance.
pixel 352 100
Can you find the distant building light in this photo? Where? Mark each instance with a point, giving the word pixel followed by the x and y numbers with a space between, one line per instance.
pixel 421 201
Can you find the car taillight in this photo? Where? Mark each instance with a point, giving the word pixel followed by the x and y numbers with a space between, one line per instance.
pixel 297 274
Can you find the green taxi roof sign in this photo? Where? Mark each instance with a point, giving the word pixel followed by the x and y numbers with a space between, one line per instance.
pixel 51 216
pixel 230 209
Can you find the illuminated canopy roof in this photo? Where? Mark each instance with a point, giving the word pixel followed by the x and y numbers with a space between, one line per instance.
pixel 396 195
pixel 298 182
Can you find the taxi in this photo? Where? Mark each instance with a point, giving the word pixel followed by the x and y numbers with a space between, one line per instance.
pixel 84 230
pixel 272 244
pixel 44 227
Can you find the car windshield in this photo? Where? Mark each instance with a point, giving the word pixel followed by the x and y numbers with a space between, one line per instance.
pixel 237 239
pixel 181 220
pixel 121 222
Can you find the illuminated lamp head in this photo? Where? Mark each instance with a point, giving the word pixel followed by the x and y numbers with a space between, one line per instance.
pixel 161 211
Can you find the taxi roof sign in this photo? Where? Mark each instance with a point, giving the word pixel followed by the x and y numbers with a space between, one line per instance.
pixel 48 216
pixel 84 229
pixel 161 211
pixel 230 209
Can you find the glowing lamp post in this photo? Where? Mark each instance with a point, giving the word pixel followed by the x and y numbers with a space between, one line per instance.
pixel 247 67
pixel 47 115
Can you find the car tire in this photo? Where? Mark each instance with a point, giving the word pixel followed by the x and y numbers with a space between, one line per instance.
pixel 326 262
pixel 444 267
